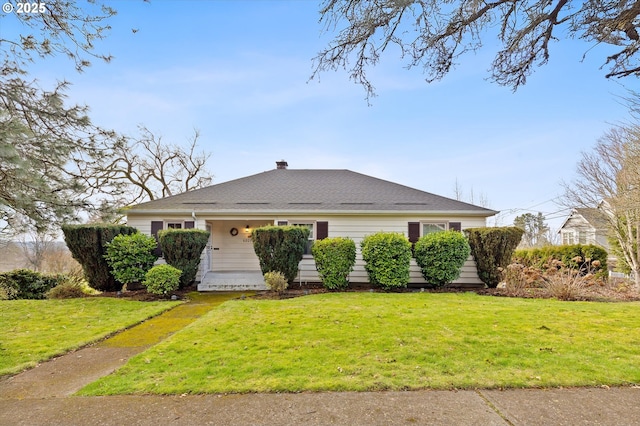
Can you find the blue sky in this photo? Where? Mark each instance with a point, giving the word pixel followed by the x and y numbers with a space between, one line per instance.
pixel 238 71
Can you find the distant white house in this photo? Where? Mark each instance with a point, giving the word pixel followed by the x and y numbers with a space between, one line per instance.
pixel 585 226
pixel 330 202
pixel 589 226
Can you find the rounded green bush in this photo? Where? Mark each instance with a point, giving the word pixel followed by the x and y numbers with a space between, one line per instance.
pixel 441 255
pixel 131 256
pixel 162 279
pixel 387 257
pixel 334 258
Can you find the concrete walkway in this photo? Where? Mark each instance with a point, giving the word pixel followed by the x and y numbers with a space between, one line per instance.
pixel 43 396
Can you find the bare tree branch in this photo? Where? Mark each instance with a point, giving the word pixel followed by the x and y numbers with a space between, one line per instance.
pixel 433 34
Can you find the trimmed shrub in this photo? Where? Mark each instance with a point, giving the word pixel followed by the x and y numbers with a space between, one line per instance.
pixel 276 281
pixel 334 258
pixel 131 256
pixel 492 249
pixel 182 249
pixel 26 284
pixel 162 279
pixel 387 257
pixel 280 248
pixel 541 258
pixel 441 255
pixel 87 244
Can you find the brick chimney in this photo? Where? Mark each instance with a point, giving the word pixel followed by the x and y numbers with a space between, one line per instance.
pixel 281 165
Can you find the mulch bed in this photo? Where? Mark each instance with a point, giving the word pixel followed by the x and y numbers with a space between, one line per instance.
pixel 611 292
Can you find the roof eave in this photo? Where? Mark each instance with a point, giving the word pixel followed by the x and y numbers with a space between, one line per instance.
pixel 220 212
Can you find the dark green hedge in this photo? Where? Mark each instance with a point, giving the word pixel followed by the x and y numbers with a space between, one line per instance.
pixel 492 249
pixel 27 284
pixel 182 249
pixel 87 244
pixel 280 248
pixel 541 257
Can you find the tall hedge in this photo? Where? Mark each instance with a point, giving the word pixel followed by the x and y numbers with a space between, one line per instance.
pixel 492 249
pixel 441 255
pixel 280 248
pixel 567 254
pixel 87 244
pixel 334 258
pixel 387 257
pixel 182 249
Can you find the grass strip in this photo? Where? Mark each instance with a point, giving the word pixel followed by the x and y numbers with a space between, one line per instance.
pixel 37 330
pixel 373 341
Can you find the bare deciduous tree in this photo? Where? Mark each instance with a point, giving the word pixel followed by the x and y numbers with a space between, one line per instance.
pixel 432 34
pixel 481 199
pixel 147 168
pixel 609 178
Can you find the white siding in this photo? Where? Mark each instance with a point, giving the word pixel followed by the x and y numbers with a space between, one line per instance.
pixel 576 224
pixel 235 253
pixel 357 227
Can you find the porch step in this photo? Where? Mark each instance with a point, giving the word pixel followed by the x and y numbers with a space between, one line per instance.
pixel 232 281
pixel 231 287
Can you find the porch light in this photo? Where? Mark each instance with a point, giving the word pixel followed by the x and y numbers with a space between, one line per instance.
pixel 246 229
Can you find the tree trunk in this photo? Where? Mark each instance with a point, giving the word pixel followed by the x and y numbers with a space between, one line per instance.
pixel 636 278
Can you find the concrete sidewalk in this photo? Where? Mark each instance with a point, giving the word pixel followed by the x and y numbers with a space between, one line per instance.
pixel 616 406
pixel 43 396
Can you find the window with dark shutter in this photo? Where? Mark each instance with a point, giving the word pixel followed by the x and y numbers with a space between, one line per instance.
pixel 322 230
pixel 155 227
pixel 455 226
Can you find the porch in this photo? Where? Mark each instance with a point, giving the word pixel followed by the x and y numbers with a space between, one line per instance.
pixel 232 281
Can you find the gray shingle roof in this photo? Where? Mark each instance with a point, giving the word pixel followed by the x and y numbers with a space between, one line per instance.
pixel 290 190
pixel 594 216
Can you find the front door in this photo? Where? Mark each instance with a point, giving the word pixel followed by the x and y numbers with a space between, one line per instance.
pixel 232 247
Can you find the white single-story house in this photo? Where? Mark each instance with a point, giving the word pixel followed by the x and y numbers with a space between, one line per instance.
pixel 331 203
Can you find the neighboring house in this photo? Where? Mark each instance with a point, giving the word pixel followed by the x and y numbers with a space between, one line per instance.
pixel 585 226
pixel 331 203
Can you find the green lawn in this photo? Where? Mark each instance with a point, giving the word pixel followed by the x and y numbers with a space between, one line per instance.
pixel 36 330
pixel 374 341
